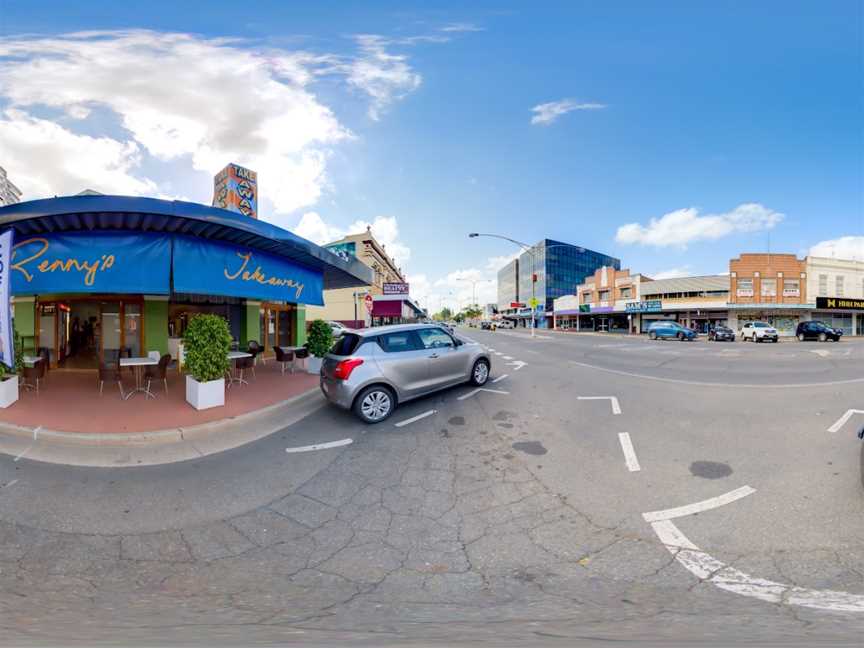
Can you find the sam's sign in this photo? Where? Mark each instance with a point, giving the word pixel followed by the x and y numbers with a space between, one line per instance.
pixel 839 303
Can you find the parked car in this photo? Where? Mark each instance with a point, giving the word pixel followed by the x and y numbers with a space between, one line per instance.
pixel 669 329
pixel 374 370
pixel 444 325
pixel 721 334
pixel 816 330
pixel 486 325
pixel 506 324
pixel 337 328
pixel 759 332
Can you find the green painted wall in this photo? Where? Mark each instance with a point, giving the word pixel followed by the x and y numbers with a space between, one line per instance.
pixel 25 322
pixel 300 325
pixel 250 325
pixel 156 326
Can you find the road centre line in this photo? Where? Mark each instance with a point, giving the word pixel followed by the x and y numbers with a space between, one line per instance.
pixel 478 390
pixel 500 378
pixel 696 383
pixel 707 568
pixel 416 418
pixel 629 453
pixel 699 507
pixel 616 408
pixel 839 423
pixel 318 446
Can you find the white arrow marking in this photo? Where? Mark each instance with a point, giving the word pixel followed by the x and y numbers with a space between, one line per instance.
pixel 629 453
pixel 707 568
pixel 499 378
pixel 699 507
pixel 508 357
pixel 616 408
pixel 842 420
pixel 320 446
pixel 416 418
pixel 481 389
pixel 498 353
pixel 516 364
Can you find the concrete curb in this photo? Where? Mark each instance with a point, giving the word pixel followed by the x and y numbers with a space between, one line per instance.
pixel 159 446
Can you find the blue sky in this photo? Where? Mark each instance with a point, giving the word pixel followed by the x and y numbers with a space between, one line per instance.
pixel 725 122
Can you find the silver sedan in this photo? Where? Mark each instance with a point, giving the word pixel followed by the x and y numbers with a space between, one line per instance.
pixel 373 370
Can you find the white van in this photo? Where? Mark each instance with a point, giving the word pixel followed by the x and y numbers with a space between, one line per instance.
pixel 506 324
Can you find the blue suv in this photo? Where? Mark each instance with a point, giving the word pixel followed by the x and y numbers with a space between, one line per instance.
pixel 669 329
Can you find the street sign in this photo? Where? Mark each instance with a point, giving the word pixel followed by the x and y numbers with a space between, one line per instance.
pixel 368 301
pixel 533 302
pixel 517 304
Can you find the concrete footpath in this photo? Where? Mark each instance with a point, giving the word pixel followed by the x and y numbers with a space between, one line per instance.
pixel 106 450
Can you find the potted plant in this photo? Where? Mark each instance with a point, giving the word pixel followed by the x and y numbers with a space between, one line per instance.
pixel 9 377
pixel 319 341
pixel 206 343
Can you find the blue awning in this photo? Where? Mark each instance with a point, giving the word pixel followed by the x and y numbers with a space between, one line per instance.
pixel 125 213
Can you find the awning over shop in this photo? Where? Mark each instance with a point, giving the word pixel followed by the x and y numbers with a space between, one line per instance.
pixel 395 306
pixel 118 215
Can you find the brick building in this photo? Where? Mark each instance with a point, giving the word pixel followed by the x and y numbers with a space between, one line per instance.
pixel 771 288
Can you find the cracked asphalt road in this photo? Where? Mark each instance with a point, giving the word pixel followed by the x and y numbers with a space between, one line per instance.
pixel 503 518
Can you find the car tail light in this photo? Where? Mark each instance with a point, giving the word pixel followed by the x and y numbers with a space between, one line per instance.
pixel 345 367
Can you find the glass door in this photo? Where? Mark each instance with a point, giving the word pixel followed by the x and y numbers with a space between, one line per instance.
pixel 48 331
pixel 286 337
pixel 111 331
pixel 132 329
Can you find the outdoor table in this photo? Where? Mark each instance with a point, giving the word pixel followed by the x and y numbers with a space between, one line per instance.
pixel 137 364
pixel 232 356
pixel 294 350
pixel 31 360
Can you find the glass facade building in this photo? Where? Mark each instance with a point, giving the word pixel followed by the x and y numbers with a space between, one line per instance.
pixel 560 267
pixel 508 284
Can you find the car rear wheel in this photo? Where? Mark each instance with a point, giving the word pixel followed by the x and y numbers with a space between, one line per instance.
pixel 480 373
pixel 374 404
pixel 800 337
pixel 680 337
pixel 823 337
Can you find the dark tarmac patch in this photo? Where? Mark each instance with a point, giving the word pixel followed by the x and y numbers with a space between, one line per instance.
pixel 506 426
pixel 530 447
pixel 504 415
pixel 710 469
pixel 457 420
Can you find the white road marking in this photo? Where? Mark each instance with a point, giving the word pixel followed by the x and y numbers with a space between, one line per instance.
pixel 500 378
pixel 699 507
pixel 36 432
pixel 516 364
pixel 11 483
pixel 616 408
pixel 478 390
pixel 508 357
pixel 416 418
pixel 320 446
pixel 543 337
pixel 23 452
pixel 820 352
pixel 629 453
pixel 498 353
pixel 696 383
pixel 843 419
pixel 707 568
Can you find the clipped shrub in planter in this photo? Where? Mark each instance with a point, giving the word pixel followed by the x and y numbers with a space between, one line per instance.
pixel 206 343
pixel 9 376
pixel 319 341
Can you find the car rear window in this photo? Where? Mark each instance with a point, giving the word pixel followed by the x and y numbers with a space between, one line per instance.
pixel 345 344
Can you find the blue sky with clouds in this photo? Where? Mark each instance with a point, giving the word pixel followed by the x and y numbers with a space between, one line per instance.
pixel 673 135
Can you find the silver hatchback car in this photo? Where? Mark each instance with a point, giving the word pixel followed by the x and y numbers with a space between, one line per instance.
pixel 373 370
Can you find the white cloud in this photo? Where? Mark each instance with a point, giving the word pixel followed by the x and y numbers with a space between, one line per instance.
pixel 46 159
pixel 385 229
pixel 683 226
pixel 461 27
pixel 187 99
pixel 547 113
pixel 845 247
pixel 494 264
pixel 671 273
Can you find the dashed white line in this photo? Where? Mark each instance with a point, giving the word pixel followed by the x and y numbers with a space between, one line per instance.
pixel 616 408
pixel 24 452
pixel 416 418
pixel 508 357
pixel 629 453
pixel 11 483
pixel 498 353
pixel 481 389
pixel 516 364
pixel 699 507
pixel 843 419
pixel 317 446
pixel 500 378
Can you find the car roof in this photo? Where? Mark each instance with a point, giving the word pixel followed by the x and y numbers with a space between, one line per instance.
pixel 392 328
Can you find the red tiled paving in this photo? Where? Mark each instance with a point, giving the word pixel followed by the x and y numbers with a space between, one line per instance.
pixel 69 401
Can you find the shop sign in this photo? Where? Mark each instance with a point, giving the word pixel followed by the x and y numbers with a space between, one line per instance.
pixel 791 292
pixel 601 309
pixel 747 292
pixel 839 303
pixel 218 269
pixel 395 288
pixel 7 349
pixel 235 188
pixel 584 308
pixel 91 263
pixel 648 306
pixel 344 250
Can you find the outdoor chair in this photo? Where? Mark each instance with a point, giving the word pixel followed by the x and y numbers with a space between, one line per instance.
pixel 302 354
pixel 255 349
pixel 158 372
pixel 46 360
pixel 283 358
pixel 32 376
pixel 246 363
pixel 110 371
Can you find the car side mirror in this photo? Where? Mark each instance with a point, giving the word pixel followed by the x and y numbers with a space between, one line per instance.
pixel 458 343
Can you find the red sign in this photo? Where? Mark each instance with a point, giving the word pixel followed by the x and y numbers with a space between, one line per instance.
pixel 517 305
pixel 368 301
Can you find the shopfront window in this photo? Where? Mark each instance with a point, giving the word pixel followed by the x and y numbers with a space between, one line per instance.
pixel 111 330
pixel 132 328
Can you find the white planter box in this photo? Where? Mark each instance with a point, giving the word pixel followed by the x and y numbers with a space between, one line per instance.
pixel 313 365
pixel 204 395
pixel 8 391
